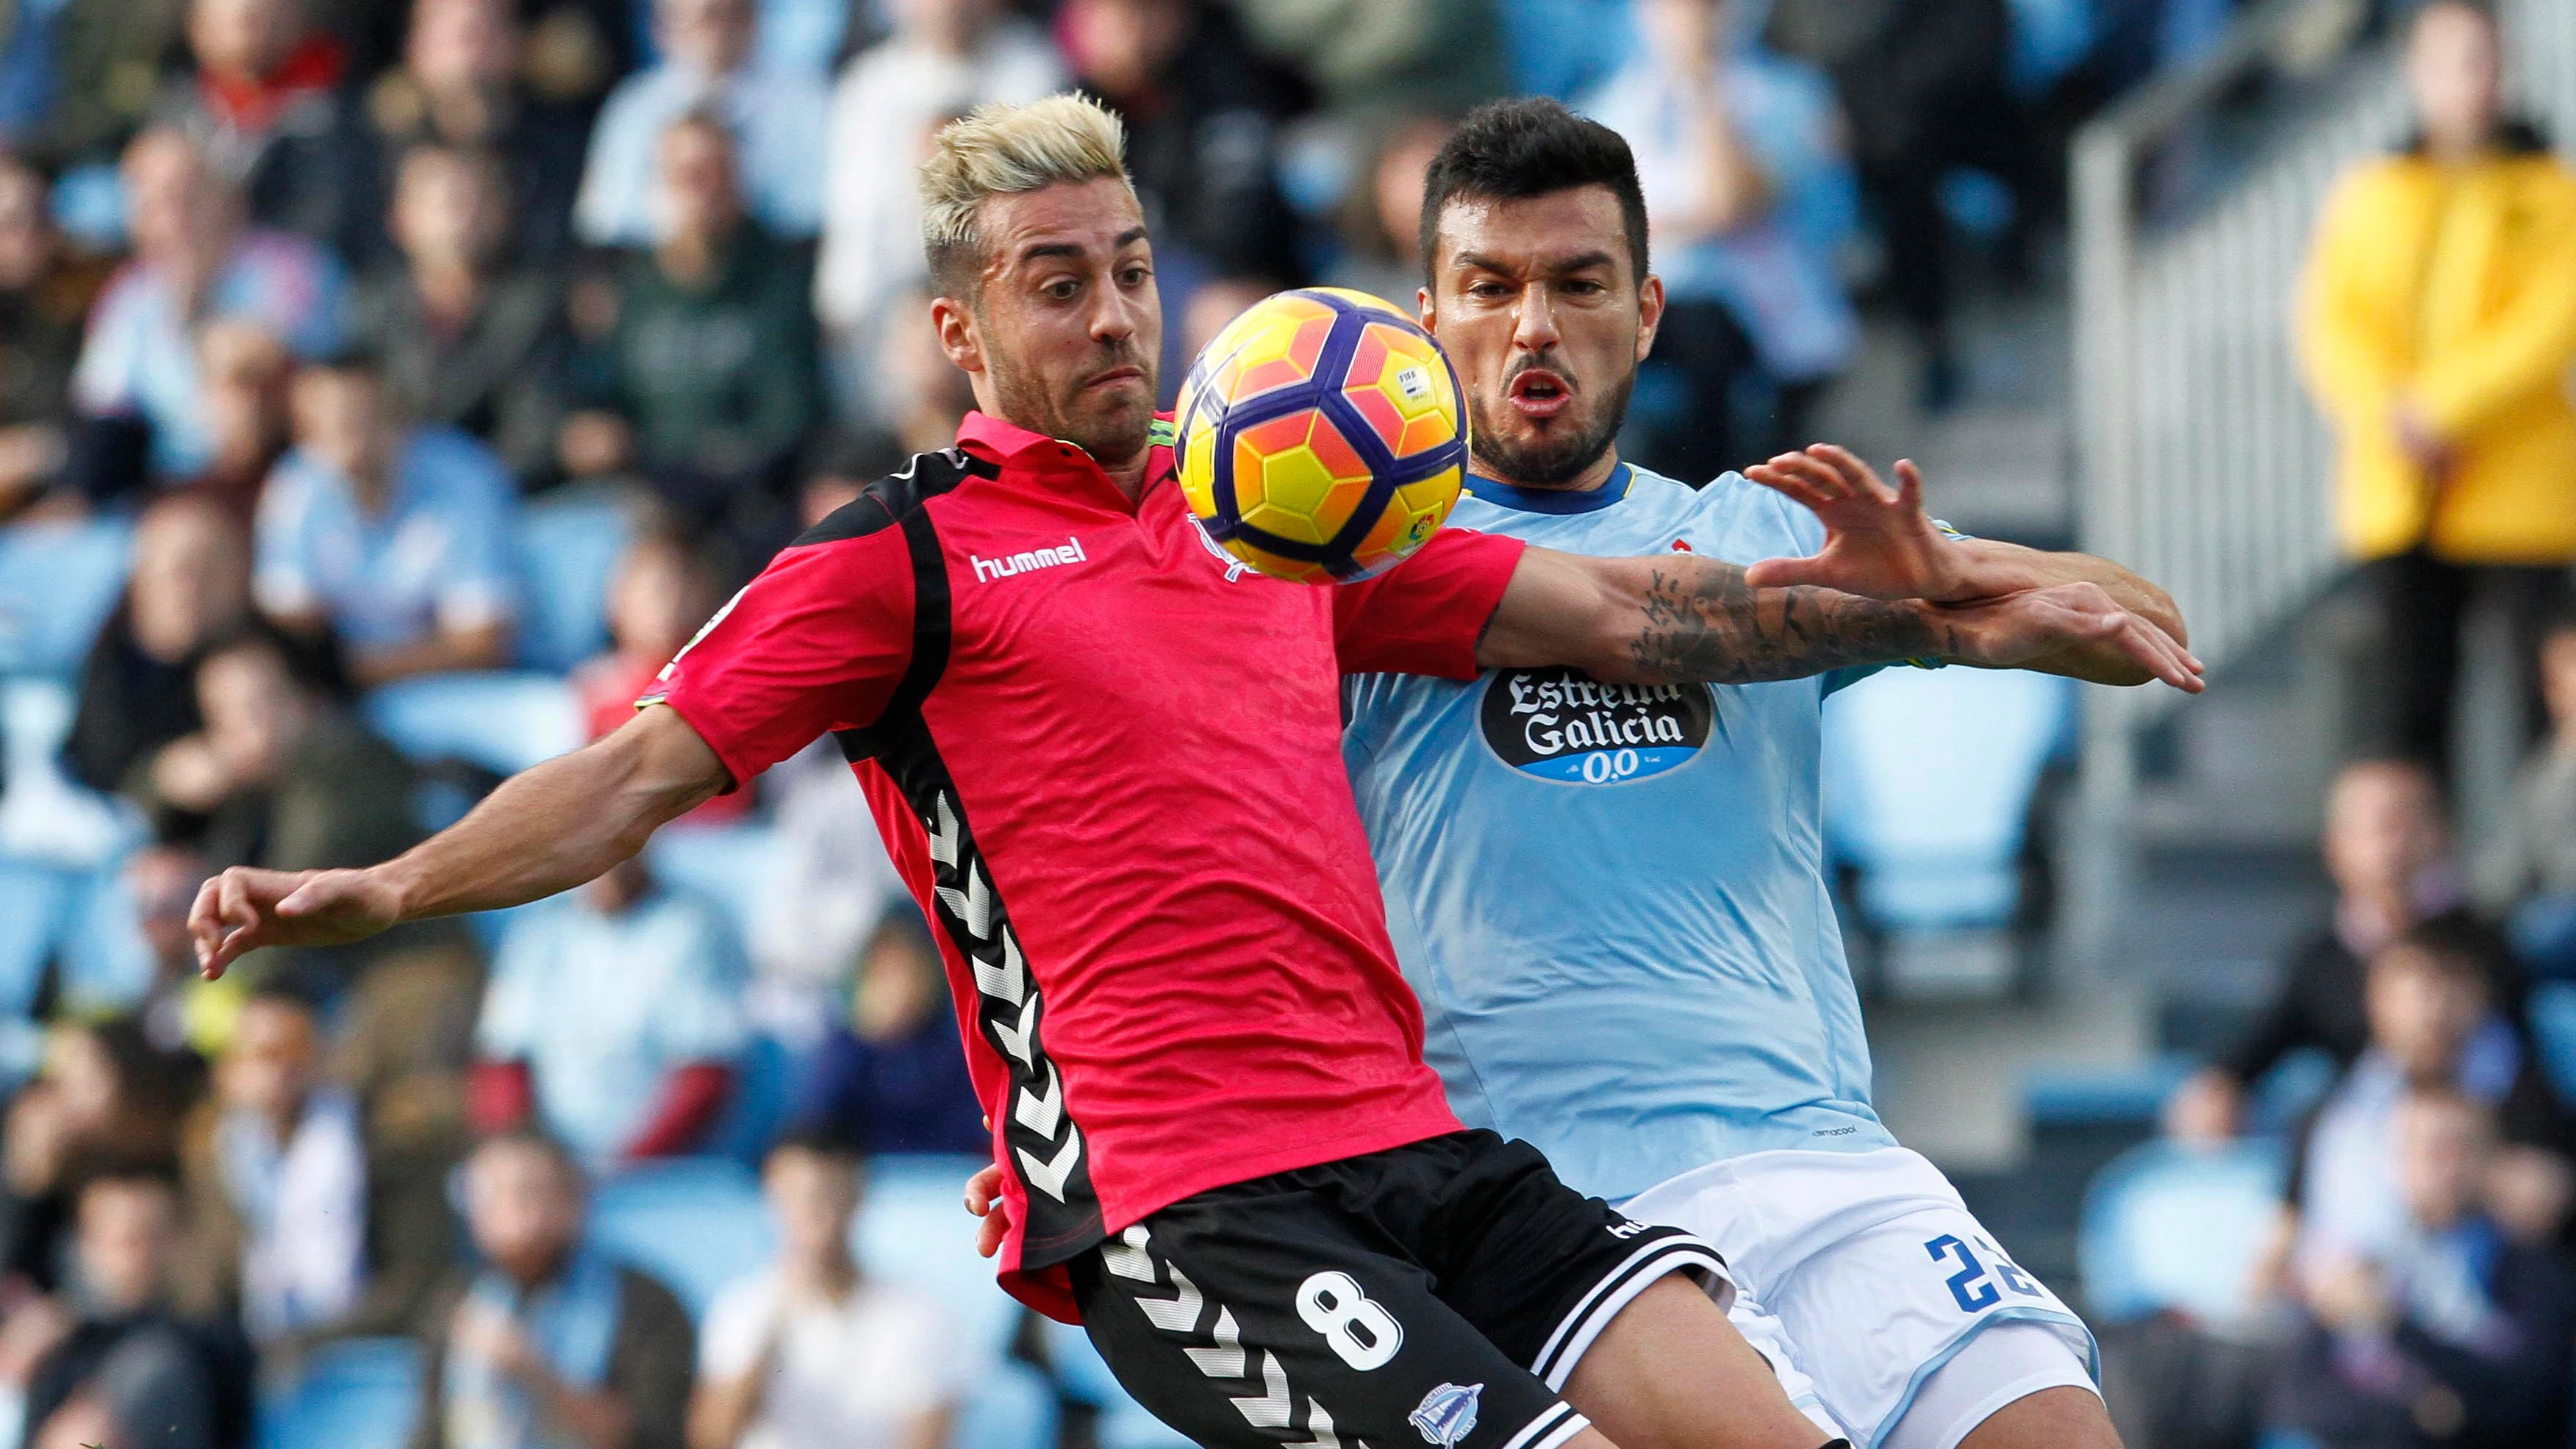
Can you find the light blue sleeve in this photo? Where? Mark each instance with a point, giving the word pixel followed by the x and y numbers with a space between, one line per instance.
pixel 699 1015
pixel 282 554
pixel 617 177
pixel 475 491
pixel 513 1002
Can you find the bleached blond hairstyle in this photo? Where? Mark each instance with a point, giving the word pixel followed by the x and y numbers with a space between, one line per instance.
pixel 1003 150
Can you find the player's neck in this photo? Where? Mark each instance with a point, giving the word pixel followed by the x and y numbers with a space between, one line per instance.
pixel 1590 480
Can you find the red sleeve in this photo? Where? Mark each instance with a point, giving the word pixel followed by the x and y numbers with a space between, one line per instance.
pixel 692 1097
pixel 1426 614
pixel 817 643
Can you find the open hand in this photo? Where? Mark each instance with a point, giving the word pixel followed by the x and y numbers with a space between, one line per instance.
pixel 1879 543
pixel 2020 628
pixel 244 909
pixel 984 1200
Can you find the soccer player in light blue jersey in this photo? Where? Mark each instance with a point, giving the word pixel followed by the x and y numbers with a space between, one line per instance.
pixel 1612 899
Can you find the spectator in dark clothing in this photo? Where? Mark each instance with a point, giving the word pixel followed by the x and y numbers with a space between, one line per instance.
pixel 465 338
pixel 1922 84
pixel 163 1376
pixel 190 586
pixel 704 381
pixel 549 1342
pixel 106 1095
pixel 2458 1337
pixel 891 1079
pixel 270 107
pixel 277 777
pixel 1202 114
pixel 460 86
pixel 45 296
pixel 109 57
pixel 2433 1023
pixel 2387 848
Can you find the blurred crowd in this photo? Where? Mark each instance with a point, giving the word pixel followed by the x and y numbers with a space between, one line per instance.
pixel 2419 1289
pixel 330 300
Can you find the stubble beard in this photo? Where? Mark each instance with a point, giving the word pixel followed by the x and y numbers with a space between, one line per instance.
pixel 1552 461
pixel 1109 432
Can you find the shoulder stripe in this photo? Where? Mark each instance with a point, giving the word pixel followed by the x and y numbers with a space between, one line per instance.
pixel 889 500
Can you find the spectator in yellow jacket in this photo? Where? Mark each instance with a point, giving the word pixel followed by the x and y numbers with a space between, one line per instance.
pixel 2437 329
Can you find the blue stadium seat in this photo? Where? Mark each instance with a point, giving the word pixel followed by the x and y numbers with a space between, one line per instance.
pixel 2172 1227
pixel 1929 777
pixel 1011 1406
pixel 58 582
pixel 35 910
pixel 2553 1029
pixel 44 815
pixel 359 1394
pixel 695 1223
pixel 503 721
pixel 912 1231
pixel 732 863
pixel 2103 1094
pixel 568 553
pixel 764 1090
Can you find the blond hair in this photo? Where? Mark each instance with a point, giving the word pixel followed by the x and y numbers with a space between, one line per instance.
pixel 1003 150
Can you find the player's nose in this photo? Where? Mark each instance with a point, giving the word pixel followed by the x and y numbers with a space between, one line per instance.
pixel 1534 322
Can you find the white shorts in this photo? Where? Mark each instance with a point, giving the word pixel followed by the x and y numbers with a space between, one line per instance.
pixel 1887 1310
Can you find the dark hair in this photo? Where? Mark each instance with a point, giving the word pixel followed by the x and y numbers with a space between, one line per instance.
pixel 2457 943
pixel 816 1139
pixel 1511 150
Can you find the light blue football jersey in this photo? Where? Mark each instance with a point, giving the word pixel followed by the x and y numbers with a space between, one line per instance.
pixel 1612 900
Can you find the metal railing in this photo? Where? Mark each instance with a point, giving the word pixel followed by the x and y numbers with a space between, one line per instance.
pixel 2203 463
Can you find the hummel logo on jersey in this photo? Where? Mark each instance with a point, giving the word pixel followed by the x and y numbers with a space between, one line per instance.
pixel 1027 559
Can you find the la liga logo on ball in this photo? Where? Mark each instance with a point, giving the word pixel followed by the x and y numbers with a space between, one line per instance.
pixel 1321 437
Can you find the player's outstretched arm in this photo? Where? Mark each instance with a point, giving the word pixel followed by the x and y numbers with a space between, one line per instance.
pixel 545 830
pixel 1677 617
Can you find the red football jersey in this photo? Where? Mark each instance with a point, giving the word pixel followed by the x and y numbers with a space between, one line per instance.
pixel 1106 757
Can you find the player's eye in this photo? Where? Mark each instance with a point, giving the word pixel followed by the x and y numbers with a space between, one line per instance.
pixel 1062 289
pixel 1136 276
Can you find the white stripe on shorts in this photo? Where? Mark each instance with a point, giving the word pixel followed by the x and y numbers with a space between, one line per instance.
pixel 1566 1346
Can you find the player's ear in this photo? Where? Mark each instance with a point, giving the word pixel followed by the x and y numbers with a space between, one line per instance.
pixel 954 321
pixel 1429 309
pixel 1650 313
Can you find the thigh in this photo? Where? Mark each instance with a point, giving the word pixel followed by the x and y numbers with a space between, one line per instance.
pixel 2014 1386
pixel 1538 1268
pixel 1879 1309
pixel 1252 1322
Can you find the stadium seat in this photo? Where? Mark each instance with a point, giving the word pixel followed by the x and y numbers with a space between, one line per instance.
pixel 695 1223
pixel 912 1231
pixel 357 1394
pixel 1929 776
pixel 568 553
pixel 35 909
pixel 735 864
pixel 1011 1406
pixel 44 815
pixel 2553 1030
pixel 764 1090
pixel 2168 1227
pixel 504 721
pixel 58 582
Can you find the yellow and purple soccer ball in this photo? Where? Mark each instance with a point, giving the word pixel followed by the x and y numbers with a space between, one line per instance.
pixel 1321 436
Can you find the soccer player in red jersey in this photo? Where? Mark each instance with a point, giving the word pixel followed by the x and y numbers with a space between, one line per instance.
pixel 1109 765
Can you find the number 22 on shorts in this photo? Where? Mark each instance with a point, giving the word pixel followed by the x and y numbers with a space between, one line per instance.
pixel 1969 1285
pixel 1358 1329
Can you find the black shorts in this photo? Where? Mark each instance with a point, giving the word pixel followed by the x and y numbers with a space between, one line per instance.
pixel 1437 1293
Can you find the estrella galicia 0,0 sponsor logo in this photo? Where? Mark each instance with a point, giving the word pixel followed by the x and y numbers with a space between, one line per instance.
pixel 1562 724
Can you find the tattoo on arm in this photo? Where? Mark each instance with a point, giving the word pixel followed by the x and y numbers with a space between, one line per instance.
pixel 1703 622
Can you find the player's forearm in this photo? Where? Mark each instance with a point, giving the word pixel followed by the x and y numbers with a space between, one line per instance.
pixel 2009 567
pixel 1686 619
pixel 548 829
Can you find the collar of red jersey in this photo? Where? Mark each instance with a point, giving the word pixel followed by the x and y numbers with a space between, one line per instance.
pixel 1019 448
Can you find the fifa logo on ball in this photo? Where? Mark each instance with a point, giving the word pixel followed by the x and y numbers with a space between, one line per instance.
pixel 1321 436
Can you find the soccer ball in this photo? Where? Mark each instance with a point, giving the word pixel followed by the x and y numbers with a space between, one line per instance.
pixel 1321 437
